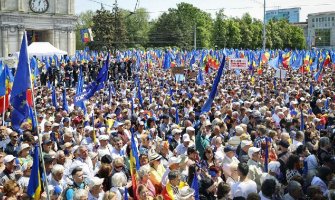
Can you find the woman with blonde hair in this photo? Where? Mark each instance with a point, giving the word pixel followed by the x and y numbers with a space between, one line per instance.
pixel 110 196
pixel 11 190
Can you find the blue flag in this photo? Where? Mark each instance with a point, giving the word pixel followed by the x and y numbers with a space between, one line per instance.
pixel 98 84
pixel 326 104
pixel 34 186
pixel 167 61
pixel 3 82
pixel 65 106
pixel 139 95
pixel 274 63
pixel 192 61
pixel 207 106
pixel 302 123
pixel 54 98
pixel 177 116
pixel 79 90
pixel 200 78
pixel 34 69
pixel 21 91
pixel 195 186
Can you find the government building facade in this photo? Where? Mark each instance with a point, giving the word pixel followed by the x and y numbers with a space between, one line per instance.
pixel 50 21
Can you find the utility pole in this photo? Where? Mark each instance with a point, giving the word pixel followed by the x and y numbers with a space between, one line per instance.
pixel 264 31
pixel 195 37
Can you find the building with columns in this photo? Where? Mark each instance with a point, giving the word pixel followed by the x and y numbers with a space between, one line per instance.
pixel 44 20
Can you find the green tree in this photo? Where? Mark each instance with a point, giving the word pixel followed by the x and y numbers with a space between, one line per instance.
pixel 137 25
pixel 177 26
pixel 120 32
pixel 103 30
pixel 234 36
pixel 219 33
pixel 246 31
pixel 85 20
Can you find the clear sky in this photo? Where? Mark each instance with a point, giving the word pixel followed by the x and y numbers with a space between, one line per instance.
pixel 234 8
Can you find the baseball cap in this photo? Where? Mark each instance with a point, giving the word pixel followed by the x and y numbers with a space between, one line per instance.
pixel 245 143
pixel 253 150
pixel 95 181
pixel 8 158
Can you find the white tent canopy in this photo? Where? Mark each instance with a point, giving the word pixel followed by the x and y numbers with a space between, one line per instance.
pixel 40 49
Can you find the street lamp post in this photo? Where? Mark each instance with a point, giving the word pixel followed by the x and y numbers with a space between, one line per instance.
pixel 264 30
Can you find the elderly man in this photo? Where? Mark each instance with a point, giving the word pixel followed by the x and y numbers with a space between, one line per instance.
pixel 181 149
pixel 255 165
pixel 84 162
pixel 56 179
pixel 8 172
pixel 95 189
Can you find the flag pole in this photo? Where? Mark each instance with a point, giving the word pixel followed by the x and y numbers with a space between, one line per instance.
pixel 4 108
pixel 37 130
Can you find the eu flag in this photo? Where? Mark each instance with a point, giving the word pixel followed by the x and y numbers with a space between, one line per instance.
pixel 200 78
pixel 65 105
pixel 21 91
pixel 98 84
pixel 34 185
pixel 54 98
pixel 207 106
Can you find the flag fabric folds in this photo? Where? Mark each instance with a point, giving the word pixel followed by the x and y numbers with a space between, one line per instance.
pixel 34 186
pixel 65 105
pixel 54 98
pixel 139 95
pixel 207 106
pixel 134 161
pixel 302 123
pixel 200 78
pixel 102 77
pixel 195 186
pixel 79 90
pixel 21 91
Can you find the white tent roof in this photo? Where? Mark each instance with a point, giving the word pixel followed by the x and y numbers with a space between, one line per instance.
pixel 40 49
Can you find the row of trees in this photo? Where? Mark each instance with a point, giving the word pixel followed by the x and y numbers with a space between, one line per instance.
pixel 183 25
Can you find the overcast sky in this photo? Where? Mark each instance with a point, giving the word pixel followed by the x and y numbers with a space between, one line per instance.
pixel 235 8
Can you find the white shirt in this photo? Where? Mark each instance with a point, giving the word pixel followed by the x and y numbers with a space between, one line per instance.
pixel 105 150
pixel 86 165
pixel 294 145
pixel 181 149
pixel 116 153
pixel 91 197
pixel 276 118
pixel 243 189
pixel 23 182
pixel 55 183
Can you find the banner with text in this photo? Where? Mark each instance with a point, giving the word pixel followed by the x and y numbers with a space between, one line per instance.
pixel 238 63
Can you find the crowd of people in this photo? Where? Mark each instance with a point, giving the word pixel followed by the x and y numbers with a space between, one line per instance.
pixel 264 137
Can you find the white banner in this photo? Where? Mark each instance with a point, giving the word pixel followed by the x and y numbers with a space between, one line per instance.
pixel 238 63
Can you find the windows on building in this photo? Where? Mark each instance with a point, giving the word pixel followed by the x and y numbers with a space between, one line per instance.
pixel 322 37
